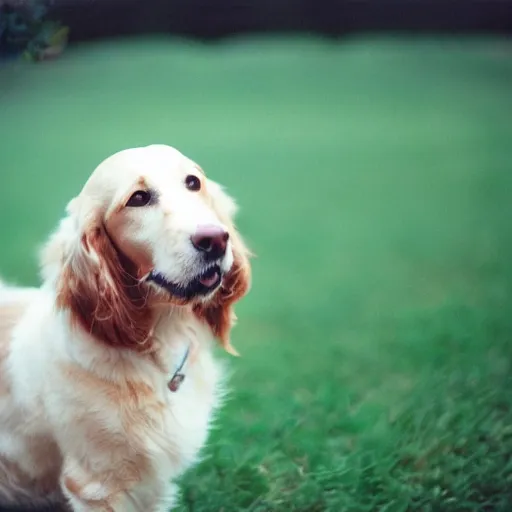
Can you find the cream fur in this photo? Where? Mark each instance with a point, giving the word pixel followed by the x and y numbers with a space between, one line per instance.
pixel 95 425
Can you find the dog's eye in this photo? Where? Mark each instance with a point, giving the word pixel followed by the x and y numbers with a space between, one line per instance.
pixel 139 198
pixel 193 182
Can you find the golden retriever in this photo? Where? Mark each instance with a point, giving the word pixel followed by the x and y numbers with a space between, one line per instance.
pixel 108 381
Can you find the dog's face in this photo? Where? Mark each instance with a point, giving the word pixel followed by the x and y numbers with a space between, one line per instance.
pixel 154 229
pixel 169 219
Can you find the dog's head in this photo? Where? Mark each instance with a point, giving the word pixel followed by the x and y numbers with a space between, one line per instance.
pixel 148 230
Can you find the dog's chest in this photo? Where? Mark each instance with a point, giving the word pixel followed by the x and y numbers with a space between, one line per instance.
pixel 187 400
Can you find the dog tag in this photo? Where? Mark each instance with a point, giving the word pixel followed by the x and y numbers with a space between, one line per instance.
pixel 175 382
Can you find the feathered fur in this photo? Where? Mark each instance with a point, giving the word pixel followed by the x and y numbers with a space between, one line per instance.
pixel 87 419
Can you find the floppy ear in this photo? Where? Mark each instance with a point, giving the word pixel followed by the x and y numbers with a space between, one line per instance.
pixel 219 312
pixel 97 284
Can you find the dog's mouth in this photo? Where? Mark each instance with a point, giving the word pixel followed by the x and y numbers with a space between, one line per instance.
pixel 202 284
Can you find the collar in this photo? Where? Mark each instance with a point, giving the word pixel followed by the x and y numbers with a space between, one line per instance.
pixel 178 376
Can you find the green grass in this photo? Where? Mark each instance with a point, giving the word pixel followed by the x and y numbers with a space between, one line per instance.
pixel 375 185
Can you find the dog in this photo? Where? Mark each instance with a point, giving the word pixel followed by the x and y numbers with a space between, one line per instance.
pixel 108 381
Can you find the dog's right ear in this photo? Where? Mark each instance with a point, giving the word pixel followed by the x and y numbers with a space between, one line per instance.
pixel 96 284
pixel 53 254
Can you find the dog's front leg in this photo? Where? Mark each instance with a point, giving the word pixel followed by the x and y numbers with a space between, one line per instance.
pixel 123 489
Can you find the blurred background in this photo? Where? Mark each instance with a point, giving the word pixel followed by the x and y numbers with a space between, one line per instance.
pixel 369 145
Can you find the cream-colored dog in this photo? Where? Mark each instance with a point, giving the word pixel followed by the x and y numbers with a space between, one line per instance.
pixel 107 379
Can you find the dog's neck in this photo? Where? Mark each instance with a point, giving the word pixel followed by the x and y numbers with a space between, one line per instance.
pixel 175 340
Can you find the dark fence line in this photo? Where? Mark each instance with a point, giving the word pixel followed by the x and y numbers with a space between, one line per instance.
pixel 203 19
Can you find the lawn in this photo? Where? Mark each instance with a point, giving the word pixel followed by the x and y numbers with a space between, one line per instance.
pixel 375 184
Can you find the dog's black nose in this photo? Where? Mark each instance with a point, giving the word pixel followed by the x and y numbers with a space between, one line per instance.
pixel 210 240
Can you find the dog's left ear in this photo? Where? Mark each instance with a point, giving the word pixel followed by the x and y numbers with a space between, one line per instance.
pixel 236 284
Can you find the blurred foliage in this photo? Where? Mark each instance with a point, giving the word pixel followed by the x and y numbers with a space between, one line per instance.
pixel 26 30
